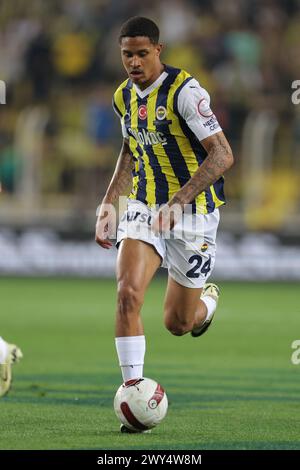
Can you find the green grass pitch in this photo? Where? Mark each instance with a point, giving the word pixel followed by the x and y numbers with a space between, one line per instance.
pixel 233 388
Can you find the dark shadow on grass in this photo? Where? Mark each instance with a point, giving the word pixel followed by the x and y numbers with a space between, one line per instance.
pixel 45 400
pixel 96 379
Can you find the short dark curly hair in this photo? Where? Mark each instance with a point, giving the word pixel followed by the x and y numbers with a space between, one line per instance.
pixel 140 26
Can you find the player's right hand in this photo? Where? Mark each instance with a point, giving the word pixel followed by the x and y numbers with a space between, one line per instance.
pixel 105 226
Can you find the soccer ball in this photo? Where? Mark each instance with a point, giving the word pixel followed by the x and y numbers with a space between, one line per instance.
pixel 141 404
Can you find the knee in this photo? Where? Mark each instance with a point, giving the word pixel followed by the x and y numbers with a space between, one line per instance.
pixel 177 326
pixel 129 299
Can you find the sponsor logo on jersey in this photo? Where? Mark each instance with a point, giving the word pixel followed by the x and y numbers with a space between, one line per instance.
pixel 212 123
pixel 204 109
pixel 145 137
pixel 161 113
pixel 204 247
pixel 142 112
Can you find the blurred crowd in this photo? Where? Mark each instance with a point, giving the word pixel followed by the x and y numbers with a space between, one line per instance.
pixel 60 61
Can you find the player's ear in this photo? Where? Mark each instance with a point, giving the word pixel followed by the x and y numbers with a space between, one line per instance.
pixel 159 48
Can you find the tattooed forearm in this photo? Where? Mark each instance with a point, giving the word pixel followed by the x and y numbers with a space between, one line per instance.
pixel 122 177
pixel 219 159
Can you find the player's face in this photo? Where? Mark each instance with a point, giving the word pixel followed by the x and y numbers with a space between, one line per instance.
pixel 141 60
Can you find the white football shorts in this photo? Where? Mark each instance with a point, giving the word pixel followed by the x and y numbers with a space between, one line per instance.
pixel 188 251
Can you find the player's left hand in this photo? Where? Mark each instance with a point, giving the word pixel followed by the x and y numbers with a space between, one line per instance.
pixel 166 218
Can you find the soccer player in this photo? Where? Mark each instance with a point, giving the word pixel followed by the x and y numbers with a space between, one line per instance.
pixel 9 354
pixel 174 154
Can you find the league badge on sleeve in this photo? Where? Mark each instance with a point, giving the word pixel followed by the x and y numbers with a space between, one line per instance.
pixel 204 108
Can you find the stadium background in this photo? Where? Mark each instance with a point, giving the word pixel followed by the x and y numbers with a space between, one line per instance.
pixel 59 141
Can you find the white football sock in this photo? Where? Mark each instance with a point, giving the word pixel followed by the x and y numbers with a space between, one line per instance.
pixel 131 352
pixel 211 306
pixel 3 350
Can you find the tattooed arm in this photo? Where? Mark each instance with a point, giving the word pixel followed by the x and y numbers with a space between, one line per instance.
pixel 219 159
pixel 122 177
pixel 120 184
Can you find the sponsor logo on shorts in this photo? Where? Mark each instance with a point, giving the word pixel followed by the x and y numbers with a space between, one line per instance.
pixel 132 216
pixel 137 221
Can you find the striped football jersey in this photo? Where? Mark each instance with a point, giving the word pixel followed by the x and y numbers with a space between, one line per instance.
pixel 165 125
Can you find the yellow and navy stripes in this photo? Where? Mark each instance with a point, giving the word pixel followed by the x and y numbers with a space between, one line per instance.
pixel 165 150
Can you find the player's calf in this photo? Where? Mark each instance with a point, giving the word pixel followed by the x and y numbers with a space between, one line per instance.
pixel 178 326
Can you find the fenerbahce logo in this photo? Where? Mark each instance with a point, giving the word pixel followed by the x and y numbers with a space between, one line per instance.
pixel 161 113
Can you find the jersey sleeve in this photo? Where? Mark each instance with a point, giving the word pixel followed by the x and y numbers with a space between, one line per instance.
pixel 194 107
pixel 119 114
